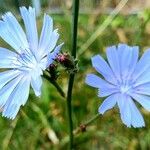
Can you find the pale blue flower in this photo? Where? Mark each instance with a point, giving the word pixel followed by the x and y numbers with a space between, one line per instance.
pixel 125 80
pixel 26 64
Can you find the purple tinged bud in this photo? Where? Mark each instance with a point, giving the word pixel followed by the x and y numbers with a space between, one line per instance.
pixel 68 62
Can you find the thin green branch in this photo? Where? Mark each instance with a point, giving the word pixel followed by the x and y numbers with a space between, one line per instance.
pixel 79 129
pixel 92 119
pixel 83 126
pixel 59 89
pixel 71 78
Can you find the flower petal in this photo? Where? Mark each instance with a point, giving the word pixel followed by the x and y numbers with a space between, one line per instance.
pixel 17 98
pixel 7 76
pixel 137 118
pixel 16 30
pixel 7 58
pixel 9 36
pixel 133 60
pixel 142 99
pixel 46 32
pixel 103 68
pixel 125 53
pixel 6 91
pixel 113 60
pixel 125 112
pixel 36 83
pixel 143 78
pixel 107 90
pixel 143 89
pixel 97 82
pixel 142 66
pixel 108 103
pixel 53 40
pixel 52 56
pixel 29 19
pixel 130 115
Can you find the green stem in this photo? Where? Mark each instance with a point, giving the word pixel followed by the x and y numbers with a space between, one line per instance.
pixel 92 120
pixel 71 78
pixel 78 130
pixel 75 27
pixel 87 123
pixel 69 107
pixel 61 92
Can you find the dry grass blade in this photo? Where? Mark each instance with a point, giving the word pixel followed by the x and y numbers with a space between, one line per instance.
pixel 10 132
pixel 102 27
pixel 50 132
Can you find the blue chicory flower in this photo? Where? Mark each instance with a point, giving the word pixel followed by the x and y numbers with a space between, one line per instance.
pixel 125 80
pixel 25 65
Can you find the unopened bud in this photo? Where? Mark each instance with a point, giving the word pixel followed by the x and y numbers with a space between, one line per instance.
pixel 68 62
pixel 53 71
pixel 83 128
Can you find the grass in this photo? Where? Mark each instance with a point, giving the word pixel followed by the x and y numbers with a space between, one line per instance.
pixel 41 124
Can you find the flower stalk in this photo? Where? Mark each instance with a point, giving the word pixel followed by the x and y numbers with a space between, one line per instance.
pixel 71 78
pixel 82 127
pixel 59 89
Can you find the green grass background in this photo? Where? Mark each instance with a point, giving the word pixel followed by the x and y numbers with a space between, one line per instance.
pixel 42 118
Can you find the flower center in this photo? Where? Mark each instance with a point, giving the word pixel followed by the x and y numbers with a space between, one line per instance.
pixel 25 61
pixel 125 88
pixel 28 61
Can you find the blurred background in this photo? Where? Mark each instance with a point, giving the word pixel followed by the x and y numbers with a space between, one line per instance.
pixel 42 123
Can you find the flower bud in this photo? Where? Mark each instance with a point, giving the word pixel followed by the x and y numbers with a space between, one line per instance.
pixel 68 62
pixel 53 71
